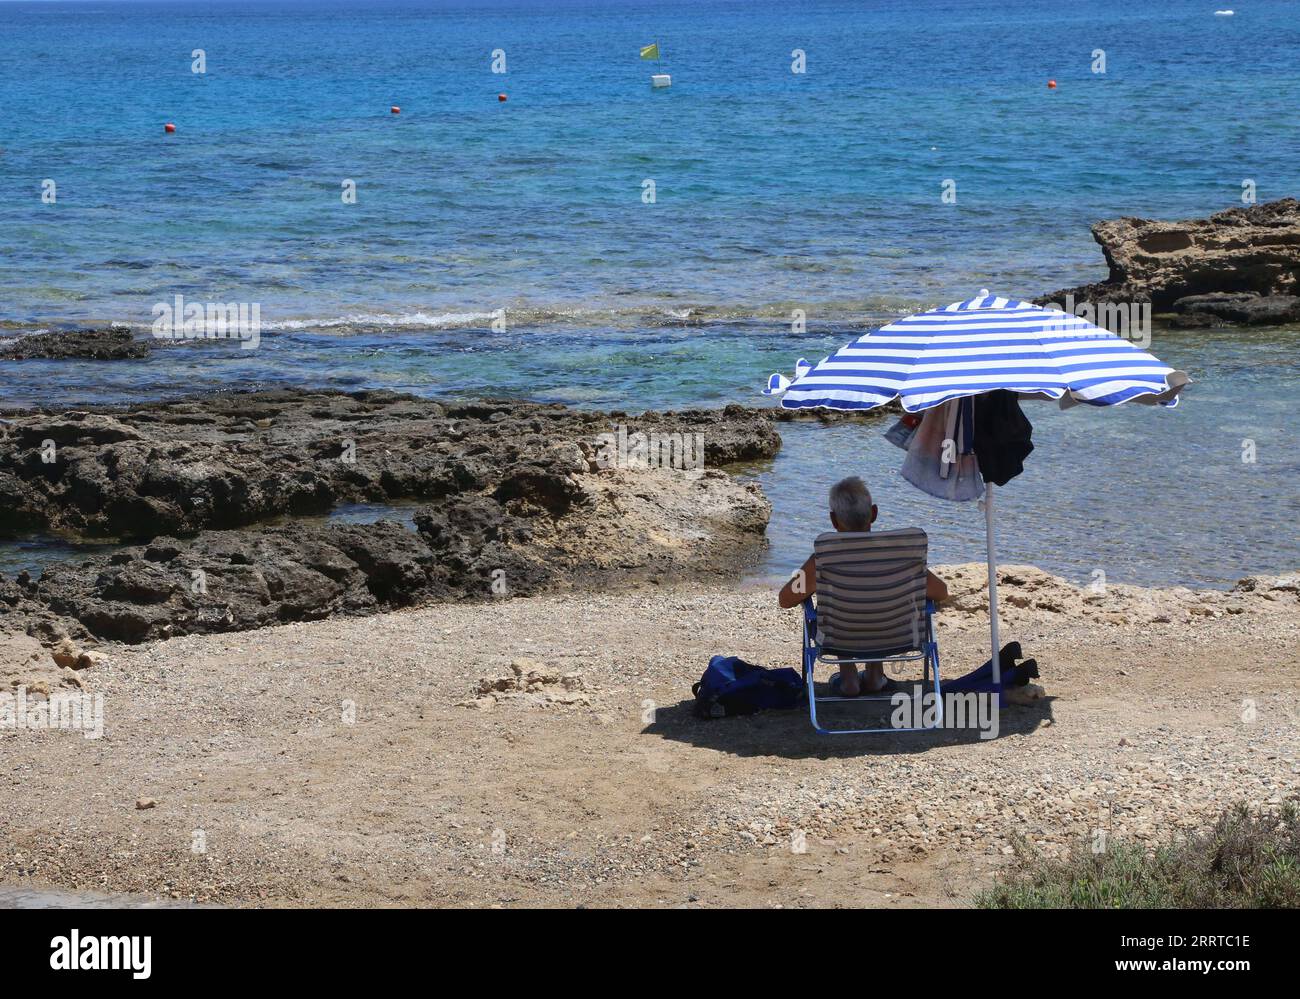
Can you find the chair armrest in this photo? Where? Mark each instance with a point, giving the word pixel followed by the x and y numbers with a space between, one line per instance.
pixel 930 608
pixel 809 627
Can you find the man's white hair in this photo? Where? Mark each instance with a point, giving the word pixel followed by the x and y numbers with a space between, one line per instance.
pixel 851 504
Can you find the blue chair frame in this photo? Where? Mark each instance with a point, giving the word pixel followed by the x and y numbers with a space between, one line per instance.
pixel 812 655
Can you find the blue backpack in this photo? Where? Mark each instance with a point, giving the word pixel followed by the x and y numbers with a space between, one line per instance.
pixel 731 686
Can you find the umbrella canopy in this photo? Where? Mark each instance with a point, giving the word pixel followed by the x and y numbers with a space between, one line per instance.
pixel 976 346
pixel 981 345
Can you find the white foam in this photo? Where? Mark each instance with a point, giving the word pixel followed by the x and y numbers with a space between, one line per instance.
pixel 410 320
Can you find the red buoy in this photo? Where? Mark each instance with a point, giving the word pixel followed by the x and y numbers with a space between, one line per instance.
pixel 1051 84
pixel 169 128
pixel 501 97
pixel 395 109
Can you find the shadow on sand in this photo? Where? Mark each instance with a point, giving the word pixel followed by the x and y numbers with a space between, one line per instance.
pixel 789 734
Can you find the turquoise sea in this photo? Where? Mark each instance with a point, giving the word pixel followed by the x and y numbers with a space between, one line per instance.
pixel 774 191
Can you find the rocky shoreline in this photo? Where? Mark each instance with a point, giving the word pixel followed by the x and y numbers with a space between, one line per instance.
pixel 222 503
pixel 508 498
pixel 1237 266
pixel 93 345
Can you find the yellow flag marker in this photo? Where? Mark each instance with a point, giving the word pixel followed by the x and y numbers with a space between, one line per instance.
pixel 650 51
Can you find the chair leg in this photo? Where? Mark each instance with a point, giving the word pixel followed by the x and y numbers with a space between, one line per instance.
pixel 938 685
pixel 930 664
pixel 812 705
pixel 822 730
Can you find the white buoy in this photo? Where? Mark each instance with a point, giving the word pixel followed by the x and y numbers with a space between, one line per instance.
pixel 661 80
pixel 1224 13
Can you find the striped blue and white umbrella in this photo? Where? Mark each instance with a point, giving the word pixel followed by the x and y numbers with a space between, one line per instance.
pixel 981 345
pixel 976 346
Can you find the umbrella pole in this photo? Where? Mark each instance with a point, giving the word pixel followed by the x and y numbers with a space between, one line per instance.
pixel 991 539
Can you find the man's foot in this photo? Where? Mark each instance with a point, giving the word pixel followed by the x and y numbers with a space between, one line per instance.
pixel 850 686
pixel 874 679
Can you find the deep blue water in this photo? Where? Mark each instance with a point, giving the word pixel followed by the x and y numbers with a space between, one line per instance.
pixel 820 190
pixel 775 191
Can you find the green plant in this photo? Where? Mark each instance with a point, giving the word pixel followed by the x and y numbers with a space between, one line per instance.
pixel 1245 860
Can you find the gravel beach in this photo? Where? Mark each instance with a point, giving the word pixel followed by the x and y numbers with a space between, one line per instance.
pixel 542 751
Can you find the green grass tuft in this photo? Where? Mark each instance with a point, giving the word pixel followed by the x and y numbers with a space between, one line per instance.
pixel 1245 860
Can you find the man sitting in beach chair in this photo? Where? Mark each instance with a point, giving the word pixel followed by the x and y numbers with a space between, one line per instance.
pixel 852 511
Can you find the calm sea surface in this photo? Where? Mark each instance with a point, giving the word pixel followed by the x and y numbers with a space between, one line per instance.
pixel 774 191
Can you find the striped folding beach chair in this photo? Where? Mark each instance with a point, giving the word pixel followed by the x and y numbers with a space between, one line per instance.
pixel 870 607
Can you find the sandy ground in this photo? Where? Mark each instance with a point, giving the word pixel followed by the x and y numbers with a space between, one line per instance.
pixel 350 762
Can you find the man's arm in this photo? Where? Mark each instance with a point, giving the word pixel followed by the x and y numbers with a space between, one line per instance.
pixel 802 585
pixel 935 588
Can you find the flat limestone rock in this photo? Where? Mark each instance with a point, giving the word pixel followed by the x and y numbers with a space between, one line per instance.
pixel 1248 308
pixel 220 462
pixel 506 499
pixel 95 345
pixel 25 663
pixel 1251 252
